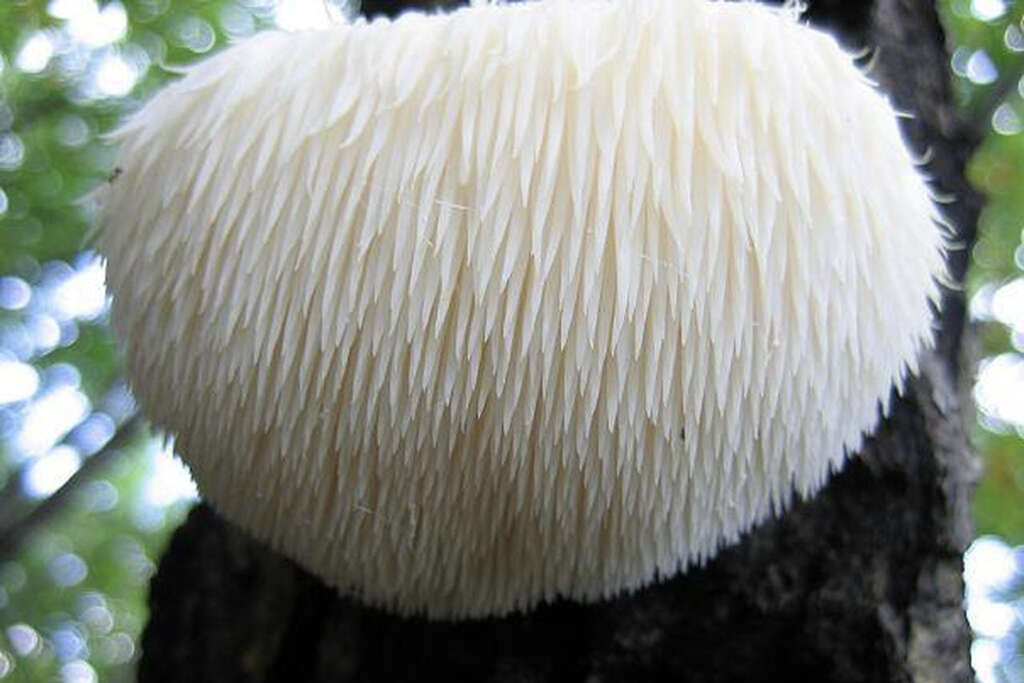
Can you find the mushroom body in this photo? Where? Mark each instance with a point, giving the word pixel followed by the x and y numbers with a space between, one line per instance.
pixel 469 311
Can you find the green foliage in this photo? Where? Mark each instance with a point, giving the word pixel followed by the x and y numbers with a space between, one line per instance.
pixel 72 599
pixel 81 583
pixel 997 500
pixel 996 170
pixel 988 65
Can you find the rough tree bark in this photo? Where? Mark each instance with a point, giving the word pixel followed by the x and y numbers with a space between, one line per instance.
pixel 862 583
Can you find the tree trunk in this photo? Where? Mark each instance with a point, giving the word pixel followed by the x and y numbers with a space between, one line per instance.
pixel 861 583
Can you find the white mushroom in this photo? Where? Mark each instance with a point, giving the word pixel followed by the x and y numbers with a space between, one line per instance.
pixel 469 311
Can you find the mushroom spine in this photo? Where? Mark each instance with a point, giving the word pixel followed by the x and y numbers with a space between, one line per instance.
pixel 469 311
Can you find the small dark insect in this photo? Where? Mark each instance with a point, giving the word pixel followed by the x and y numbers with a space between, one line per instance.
pixel 682 433
pixel 115 175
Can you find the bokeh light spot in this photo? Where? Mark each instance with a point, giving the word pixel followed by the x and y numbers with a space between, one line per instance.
pixel 18 381
pixel 1005 120
pixel 195 34
pixel 24 640
pixel 49 472
pixel 980 69
pixel 35 53
pixel 49 418
pixel 78 671
pixel 15 293
pixel 68 569
pixel 12 151
pixel 987 10
pixel 114 76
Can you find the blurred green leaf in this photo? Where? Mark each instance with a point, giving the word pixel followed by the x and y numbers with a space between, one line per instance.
pixel 80 584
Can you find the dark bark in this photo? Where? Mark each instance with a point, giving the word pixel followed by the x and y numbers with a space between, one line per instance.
pixel 392 8
pixel 862 583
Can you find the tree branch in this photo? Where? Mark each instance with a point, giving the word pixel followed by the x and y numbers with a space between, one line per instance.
pixel 12 535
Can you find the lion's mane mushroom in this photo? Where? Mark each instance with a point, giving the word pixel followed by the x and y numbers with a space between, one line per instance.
pixel 468 311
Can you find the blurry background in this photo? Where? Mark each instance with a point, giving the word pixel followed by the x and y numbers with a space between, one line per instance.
pixel 88 497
